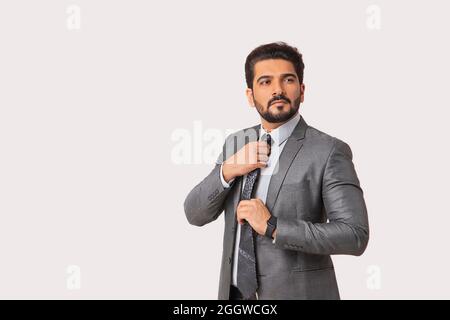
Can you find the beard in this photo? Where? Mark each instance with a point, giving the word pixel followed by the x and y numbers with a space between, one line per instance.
pixel 284 116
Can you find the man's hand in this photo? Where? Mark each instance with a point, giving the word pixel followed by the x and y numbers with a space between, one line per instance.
pixel 252 156
pixel 256 214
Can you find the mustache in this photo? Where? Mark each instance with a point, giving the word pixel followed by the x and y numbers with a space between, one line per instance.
pixel 279 98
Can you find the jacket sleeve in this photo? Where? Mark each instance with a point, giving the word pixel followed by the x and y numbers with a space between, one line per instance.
pixel 205 202
pixel 347 229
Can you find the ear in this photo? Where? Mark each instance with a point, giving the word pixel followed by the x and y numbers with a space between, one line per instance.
pixel 302 92
pixel 249 93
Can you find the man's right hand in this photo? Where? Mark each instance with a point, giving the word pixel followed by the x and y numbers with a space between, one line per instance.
pixel 252 156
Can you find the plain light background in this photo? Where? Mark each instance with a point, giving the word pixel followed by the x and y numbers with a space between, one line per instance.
pixel 89 120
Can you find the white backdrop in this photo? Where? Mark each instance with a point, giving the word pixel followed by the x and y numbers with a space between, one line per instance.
pixel 111 111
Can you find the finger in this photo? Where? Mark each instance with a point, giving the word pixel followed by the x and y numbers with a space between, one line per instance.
pixel 257 165
pixel 257 202
pixel 263 158
pixel 264 148
pixel 260 165
pixel 241 216
pixel 242 210
pixel 264 153
pixel 263 144
pixel 244 203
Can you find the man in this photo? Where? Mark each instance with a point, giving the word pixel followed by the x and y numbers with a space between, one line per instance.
pixel 290 192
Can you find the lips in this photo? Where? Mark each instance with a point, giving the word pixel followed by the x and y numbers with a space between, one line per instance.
pixel 278 102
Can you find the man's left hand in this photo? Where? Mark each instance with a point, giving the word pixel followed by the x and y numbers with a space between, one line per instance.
pixel 256 214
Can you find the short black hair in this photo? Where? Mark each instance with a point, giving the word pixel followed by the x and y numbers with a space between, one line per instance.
pixel 274 50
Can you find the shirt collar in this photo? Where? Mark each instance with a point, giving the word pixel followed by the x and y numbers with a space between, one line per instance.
pixel 280 134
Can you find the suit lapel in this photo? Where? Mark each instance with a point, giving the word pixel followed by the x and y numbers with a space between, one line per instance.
pixel 290 150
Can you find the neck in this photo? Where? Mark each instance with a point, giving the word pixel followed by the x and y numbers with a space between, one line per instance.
pixel 269 126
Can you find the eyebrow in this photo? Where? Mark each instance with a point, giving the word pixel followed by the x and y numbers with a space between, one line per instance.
pixel 284 75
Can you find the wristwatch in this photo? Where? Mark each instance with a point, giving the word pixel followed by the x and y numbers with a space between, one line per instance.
pixel 271 226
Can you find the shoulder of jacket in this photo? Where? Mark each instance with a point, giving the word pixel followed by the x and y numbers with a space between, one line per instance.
pixel 320 140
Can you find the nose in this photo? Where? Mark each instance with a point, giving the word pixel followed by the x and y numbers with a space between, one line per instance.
pixel 277 89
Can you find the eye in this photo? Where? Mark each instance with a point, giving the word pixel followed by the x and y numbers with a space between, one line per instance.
pixel 265 82
pixel 290 80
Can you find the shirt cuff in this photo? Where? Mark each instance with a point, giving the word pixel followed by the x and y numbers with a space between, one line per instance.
pixel 224 183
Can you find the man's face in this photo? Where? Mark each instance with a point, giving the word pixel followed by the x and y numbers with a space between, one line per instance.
pixel 277 92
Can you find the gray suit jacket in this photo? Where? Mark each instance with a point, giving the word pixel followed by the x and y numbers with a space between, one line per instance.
pixel 314 181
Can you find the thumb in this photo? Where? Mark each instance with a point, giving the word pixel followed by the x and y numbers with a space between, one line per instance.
pixel 261 164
